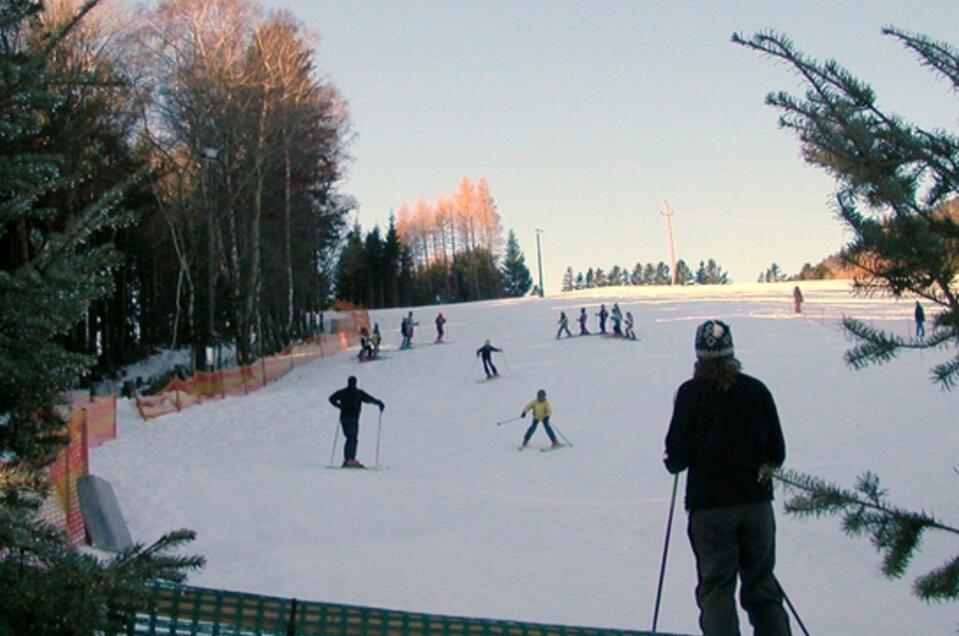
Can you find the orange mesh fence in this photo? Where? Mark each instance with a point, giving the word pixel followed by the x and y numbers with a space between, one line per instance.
pixel 101 419
pixel 63 507
pixel 181 394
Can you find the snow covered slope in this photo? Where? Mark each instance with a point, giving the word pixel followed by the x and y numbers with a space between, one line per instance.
pixel 461 523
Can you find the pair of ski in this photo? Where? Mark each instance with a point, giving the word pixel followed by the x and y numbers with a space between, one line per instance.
pixel 545 449
pixel 357 468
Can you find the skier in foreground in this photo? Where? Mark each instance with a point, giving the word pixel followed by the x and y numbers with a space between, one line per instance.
pixel 486 351
pixel 724 429
pixel 617 316
pixel 350 400
pixel 541 412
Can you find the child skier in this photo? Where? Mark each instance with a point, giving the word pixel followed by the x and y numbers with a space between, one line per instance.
pixel 582 322
pixel 563 325
pixel 375 340
pixel 366 346
pixel 440 321
pixel 541 412
pixel 617 316
pixel 486 352
pixel 628 324
pixel 602 318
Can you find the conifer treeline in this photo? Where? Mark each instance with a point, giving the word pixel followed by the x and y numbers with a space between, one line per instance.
pixel 231 147
pixel 708 273
pixel 447 251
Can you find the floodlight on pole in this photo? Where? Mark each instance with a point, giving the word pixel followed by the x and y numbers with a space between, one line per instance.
pixel 539 261
pixel 669 235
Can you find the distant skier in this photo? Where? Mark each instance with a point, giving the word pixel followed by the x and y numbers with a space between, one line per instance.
pixel 407 329
pixel 920 321
pixel 440 321
pixel 350 401
pixel 366 345
pixel 797 299
pixel 628 326
pixel 486 352
pixel 582 322
pixel 563 325
pixel 617 317
pixel 602 318
pixel 376 339
pixel 541 413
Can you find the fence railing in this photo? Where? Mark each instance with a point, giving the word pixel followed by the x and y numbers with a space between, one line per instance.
pixel 181 610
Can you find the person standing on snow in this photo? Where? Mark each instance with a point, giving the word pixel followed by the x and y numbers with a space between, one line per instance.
pixel 541 413
pixel 375 340
pixel 602 318
pixel 617 316
pixel 563 325
pixel 440 321
pixel 486 352
pixel 366 345
pixel 407 329
pixel 920 321
pixel 350 400
pixel 724 430
pixel 797 299
pixel 582 322
pixel 628 326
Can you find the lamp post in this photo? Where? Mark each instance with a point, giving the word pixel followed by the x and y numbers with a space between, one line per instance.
pixel 209 158
pixel 539 261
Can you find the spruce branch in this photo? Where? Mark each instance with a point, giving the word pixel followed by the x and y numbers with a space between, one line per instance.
pixel 896 533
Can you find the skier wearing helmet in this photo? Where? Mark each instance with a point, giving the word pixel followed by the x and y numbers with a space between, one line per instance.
pixel 541 412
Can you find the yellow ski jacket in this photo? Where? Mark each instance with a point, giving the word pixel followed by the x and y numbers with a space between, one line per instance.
pixel 541 410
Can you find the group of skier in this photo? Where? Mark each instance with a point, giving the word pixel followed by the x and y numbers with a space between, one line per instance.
pixel 724 431
pixel 622 327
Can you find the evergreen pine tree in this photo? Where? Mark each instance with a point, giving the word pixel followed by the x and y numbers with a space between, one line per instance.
pixel 896 184
pixel 516 277
pixel 568 280
pixel 51 270
pixel 684 275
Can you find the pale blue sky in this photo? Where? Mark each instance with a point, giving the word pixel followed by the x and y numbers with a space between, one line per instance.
pixel 585 116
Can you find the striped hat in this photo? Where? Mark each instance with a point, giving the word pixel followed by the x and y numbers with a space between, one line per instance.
pixel 714 340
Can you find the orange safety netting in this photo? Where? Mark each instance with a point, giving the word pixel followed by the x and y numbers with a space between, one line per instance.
pixel 180 394
pixel 92 422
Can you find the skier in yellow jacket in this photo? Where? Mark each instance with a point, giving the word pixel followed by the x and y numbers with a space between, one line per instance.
pixel 541 412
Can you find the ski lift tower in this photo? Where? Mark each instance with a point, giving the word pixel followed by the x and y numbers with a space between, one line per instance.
pixel 669 235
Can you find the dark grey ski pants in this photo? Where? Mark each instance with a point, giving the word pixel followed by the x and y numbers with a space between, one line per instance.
pixel 351 431
pixel 730 541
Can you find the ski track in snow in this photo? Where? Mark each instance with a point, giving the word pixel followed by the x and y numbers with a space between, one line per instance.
pixel 463 524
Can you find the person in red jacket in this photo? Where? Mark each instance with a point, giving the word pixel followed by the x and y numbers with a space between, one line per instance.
pixel 724 431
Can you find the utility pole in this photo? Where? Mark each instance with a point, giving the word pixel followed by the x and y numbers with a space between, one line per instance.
pixel 669 234
pixel 539 261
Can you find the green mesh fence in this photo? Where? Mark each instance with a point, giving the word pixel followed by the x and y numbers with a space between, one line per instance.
pixel 179 611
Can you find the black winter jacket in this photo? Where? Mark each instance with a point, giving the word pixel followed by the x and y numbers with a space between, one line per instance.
pixel 350 400
pixel 723 437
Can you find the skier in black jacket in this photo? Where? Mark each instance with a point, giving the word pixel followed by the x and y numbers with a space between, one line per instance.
pixel 350 401
pixel 724 429
pixel 486 352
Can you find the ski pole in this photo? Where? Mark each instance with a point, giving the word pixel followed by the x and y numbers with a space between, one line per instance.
pixel 662 567
pixel 473 366
pixel 379 427
pixel 512 419
pixel 336 436
pixel 560 433
pixel 506 362
pixel 792 609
